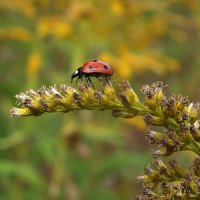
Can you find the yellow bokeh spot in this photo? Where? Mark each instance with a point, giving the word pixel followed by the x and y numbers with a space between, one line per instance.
pixel 107 57
pixel 33 64
pixel 53 25
pixel 15 33
pixel 77 10
pixel 24 7
pixel 117 7
pixel 137 122
pixel 126 63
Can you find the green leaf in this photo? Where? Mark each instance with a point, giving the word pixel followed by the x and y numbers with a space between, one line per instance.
pixel 20 170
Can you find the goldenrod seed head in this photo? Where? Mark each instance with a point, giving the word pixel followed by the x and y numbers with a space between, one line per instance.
pixel 165 188
pixel 158 85
pixel 153 137
pixel 148 91
pixel 124 100
pixel 101 98
pixel 143 178
pixel 159 152
pixel 139 197
pixel 87 94
pixel 159 163
pixel 43 103
pixel 196 166
pixel 126 91
pixel 77 97
pixel 148 171
pixel 162 168
pixel 159 96
pixel 192 110
pixel 98 95
pixel 148 119
pixel 69 91
pixel 15 112
pixel 123 113
pixel 197 124
pixel 153 120
pixel 22 112
pixel 43 91
pixel 54 91
pixel 31 93
pixel 154 93
pixel 109 91
pixel 22 97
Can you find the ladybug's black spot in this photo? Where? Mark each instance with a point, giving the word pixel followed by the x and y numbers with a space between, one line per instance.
pixel 105 67
pixel 94 60
pixel 90 67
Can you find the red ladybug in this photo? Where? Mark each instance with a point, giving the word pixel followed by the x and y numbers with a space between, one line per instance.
pixel 94 68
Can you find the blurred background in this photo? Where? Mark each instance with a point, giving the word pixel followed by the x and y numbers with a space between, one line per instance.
pixel 87 155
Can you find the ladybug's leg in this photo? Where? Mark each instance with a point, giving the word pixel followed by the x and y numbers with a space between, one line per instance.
pixel 88 79
pixel 99 79
pixel 108 81
pixel 78 79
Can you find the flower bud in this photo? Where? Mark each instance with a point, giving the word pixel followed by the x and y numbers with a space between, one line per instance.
pixel 176 169
pixel 109 91
pixel 15 112
pixel 159 152
pixel 153 120
pixel 153 137
pixel 154 95
pixel 127 95
pixel 162 168
pixel 192 111
pixel 196 166
pixel 123 113
pixel 87 95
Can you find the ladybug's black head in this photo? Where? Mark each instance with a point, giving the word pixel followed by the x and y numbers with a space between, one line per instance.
pixel 77 73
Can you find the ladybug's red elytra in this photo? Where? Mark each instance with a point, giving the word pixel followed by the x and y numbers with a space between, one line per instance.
pixel 94 68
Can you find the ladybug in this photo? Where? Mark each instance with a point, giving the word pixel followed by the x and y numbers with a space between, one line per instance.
pixel 94 68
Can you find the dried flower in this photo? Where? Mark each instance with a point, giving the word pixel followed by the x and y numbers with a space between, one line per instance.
pixel 176 114
pixel 179 118
pixel 67 98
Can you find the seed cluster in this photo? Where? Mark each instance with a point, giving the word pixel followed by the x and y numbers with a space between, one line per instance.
pixel 176 115
pixel 67 98
pixel 181 131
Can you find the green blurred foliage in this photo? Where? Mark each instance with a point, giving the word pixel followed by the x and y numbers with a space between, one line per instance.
pixel 87 155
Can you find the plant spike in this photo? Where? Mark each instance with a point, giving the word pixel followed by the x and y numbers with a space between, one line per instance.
pixel 176 114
